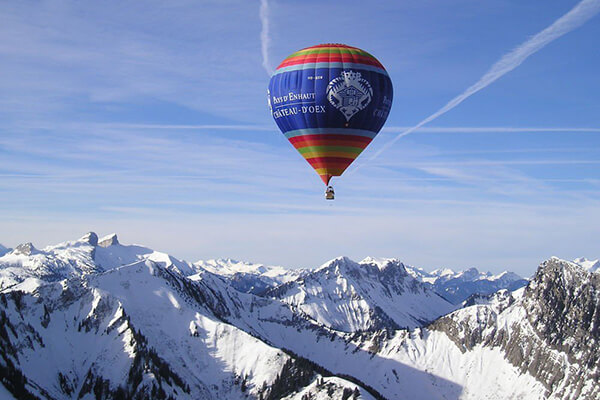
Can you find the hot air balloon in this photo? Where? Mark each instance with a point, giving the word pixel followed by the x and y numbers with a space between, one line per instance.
pixel 330 101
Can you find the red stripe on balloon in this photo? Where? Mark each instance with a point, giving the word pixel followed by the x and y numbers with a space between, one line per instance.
pixel 330 162
pixel 331 57
pixel 342 139
pixel 331 45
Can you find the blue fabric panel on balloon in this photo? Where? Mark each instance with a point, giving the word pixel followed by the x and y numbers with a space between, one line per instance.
pixel 330 98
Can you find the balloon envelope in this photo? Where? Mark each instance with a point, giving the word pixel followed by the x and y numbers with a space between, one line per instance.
pixel 330 101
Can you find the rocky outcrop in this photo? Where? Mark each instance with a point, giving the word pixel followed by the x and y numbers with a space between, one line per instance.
pixel 551 333
pixel 25 249
pixel 90 238
pixel 108 240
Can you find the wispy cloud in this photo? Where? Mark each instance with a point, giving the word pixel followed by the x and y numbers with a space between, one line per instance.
pixel 150 120
pixel 128 57
pixel 273 127
pixel 194 127
pixel 122 158
pixel 520 162
pixel 490 129
pixel 578 16
pixel 265 37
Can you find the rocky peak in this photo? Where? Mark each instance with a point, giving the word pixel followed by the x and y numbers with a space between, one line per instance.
pixel 108 240
pixel 555 272
pixel 386 271
pixel 90 238
pixel 25 249
pixel 470 274
pixel 337 264
pixel 383 264
pixel 563 303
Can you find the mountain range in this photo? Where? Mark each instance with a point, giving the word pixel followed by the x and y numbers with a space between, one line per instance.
pixel 96 319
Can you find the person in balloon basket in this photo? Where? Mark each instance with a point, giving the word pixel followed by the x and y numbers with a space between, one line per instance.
pixel 329 193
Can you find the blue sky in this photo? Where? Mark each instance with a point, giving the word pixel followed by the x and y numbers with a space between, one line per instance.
pixel 151 120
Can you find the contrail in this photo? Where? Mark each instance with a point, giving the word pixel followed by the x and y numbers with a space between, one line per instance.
pixel 265 39
pixel 578 16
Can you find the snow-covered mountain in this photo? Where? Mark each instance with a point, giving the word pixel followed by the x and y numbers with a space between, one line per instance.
pixel 550 333
pixel 83 322
pixel 456 287
pixel 88 255
pixel 537 342
pixel 373 294
pixel 249 277
pixel 146 331
pixel 4 250
pixel 453 286
pixel 590 265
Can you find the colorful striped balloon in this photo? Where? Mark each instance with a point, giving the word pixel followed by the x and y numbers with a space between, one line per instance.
pixel 330 101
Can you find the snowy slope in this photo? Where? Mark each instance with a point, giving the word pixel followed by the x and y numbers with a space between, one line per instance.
pixel 456 287
pixel 515 348
pixel 327 388
pixel 138 330
pixel 418 365
pixel 5 394
pixel 98 329
pixel 373 294
pixel 404 364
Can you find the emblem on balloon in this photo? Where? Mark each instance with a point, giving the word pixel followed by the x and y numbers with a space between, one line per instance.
pixel 349 93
